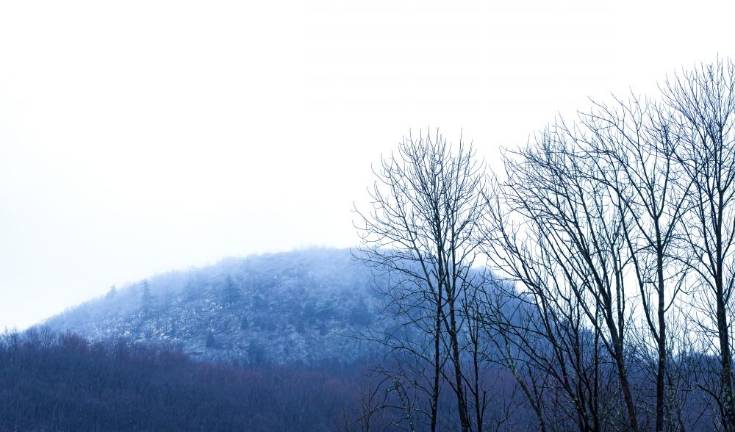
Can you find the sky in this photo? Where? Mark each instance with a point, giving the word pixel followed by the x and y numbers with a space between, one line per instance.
pixel 139 137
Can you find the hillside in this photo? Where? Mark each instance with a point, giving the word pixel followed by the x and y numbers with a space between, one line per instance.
pixel 305 306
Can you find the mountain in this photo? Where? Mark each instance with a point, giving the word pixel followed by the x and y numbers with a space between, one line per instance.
pixel 298 307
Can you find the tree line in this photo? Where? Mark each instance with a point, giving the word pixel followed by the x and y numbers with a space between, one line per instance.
pixel 596 269
pixel 61 382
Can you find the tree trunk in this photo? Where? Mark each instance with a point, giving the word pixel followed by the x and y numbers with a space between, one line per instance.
pixel 437 365
pixel 726 377
pixel 464 420
pixel 661 370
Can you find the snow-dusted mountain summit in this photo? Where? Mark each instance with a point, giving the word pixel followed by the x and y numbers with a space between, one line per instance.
pixel 302 306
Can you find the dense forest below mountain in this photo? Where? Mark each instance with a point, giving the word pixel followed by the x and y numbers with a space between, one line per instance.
pixel 51 382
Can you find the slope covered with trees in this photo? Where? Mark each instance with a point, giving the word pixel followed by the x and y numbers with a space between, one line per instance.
pixel 303 306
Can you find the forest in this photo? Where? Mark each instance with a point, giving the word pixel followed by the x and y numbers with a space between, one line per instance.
pixel 62 382
pixel 585 286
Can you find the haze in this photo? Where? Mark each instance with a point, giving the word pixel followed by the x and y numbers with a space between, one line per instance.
pixel 143 136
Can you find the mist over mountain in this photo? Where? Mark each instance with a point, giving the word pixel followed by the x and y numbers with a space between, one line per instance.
pixel 305 306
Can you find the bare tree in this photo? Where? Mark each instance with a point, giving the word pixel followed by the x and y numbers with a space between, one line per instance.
pixel 557 232
pixel 632 145
pixel 614 238
pixel 422 225
pixel 555 359
pixel 704 98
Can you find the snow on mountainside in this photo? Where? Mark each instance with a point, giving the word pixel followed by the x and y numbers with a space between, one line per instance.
pixel 302 306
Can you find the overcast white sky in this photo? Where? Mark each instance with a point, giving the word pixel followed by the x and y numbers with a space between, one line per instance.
pixel 142 136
